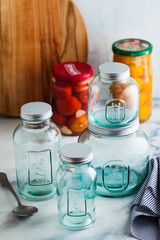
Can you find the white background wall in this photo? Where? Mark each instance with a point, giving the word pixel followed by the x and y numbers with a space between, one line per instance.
pixel 111 20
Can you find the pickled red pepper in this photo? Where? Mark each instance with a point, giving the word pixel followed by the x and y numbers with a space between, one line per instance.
pixel 69 94
pixel 136 53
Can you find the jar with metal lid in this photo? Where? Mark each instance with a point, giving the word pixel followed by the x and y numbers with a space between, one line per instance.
pixel 76 187
pixel 36 147
pixel 113 96
pixel 120 158
pixel 69 96
pixel 136 53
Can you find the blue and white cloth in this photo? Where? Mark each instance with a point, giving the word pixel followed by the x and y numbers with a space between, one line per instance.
pixel 145 210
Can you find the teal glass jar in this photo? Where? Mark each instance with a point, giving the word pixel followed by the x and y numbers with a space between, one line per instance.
pixel 120 158
pixel 76 187
pixel 113 97
pixel 36 148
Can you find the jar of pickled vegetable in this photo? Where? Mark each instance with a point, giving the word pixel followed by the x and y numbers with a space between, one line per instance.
pixel 136 53
pixel 69 96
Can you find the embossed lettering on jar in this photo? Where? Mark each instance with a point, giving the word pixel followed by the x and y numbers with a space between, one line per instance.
pixel 121 162
pixel 36 147
pixel 120 148
pixel 113 96
pixel 76 187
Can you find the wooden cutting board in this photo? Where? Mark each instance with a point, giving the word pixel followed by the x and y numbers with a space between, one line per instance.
pixel 74 38
pixel 35 36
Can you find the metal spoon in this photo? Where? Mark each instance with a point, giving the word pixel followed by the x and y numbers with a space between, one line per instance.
pixel 20 211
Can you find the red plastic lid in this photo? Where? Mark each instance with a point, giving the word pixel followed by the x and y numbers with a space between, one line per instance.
pixel 73 71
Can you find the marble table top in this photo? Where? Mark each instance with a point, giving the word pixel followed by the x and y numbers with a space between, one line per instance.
pixel 112 215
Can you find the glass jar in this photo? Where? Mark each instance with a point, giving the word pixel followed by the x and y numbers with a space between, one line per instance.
pixel 69 96
pixel 120 158
pixel 113 97
pixel 76 187
pixel 136 53
pixel 36 146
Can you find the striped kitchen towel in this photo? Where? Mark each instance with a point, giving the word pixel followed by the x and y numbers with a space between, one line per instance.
pixel 145 210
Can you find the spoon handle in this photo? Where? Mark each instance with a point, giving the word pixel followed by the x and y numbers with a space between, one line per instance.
pixel 4 181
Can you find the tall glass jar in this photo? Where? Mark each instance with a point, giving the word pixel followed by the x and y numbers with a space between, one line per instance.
pixel 36 147
pixel 76 187
pixel 69 96
pixel 120 158
pixel 136 53
pixel 113 97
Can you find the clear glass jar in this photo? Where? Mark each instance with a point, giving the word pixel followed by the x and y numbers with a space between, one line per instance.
pixel 76 187
pixel 120 159
pixel 113 96
pixel 136 53
pixel 69 96
pixel 36 147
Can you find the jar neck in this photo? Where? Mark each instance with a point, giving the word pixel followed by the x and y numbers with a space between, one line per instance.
pixel 114 132
pixel 109 137
pixel 107 80
pixel 35 125
pixel 73 82
pixel 75 168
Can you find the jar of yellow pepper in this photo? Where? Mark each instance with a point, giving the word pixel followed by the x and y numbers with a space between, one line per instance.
pixel 136 53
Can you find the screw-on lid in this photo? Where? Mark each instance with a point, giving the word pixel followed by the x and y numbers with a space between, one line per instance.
pixel 36 111
pixel 76 153
pixel 117 131
pixel 132 47
pixel 73 71
pixel 113 71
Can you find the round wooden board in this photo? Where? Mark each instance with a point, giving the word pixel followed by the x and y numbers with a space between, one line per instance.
pixel 35 36
pixel 74 37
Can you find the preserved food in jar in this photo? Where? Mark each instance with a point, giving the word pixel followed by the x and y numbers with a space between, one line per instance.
pixel 120 148
pixel 113 97
pixel 69 96
pixel 136 53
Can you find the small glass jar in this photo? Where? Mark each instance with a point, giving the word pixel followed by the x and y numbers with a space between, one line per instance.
pixel 120 158
pixel 136 53
pixel 113 97
pixel 76 187
pixel 69 96
pixel 36 146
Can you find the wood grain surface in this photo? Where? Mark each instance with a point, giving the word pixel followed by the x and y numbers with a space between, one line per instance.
pixel 74 38
pixel 35 35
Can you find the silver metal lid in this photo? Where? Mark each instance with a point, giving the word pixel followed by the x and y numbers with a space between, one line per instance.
pixel 113 71
pixel 36 111
pixel 76 153
pixel 118 131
